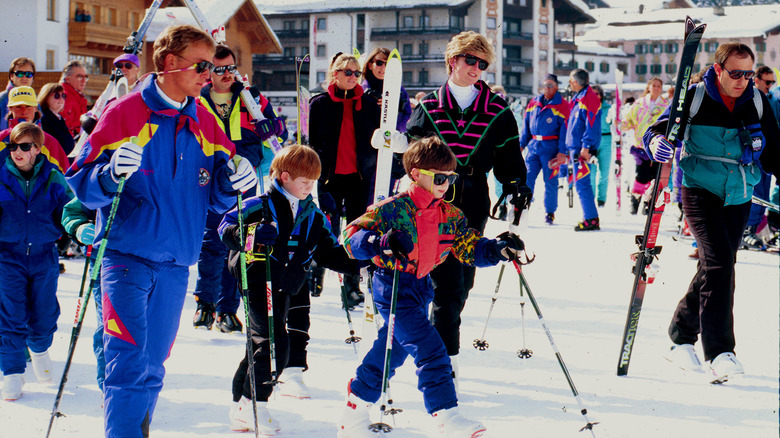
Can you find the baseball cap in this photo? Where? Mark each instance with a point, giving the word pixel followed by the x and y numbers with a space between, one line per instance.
pixel 551 77
pixel 22 96
pixel 127 57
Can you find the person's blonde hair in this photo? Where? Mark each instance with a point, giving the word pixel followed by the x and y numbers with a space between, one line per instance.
pixel 28 128
pixel 46 91
pixel 175 39
pixel 469 41
pixel 650 82
pixel 297 160
pixel 339 62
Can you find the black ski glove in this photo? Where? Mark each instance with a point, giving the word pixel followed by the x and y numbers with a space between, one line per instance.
pixel 396 243
pixel 506 246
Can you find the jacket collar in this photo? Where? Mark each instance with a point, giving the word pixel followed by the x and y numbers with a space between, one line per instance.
pixel 447 100
pixel 338 95
pixel 155 102
pixel 711 83
pixel 422 198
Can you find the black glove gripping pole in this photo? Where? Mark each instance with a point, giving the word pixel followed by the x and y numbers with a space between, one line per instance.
pixel 245 299
pixel 589 425
pixel 352 339
pixel 481 344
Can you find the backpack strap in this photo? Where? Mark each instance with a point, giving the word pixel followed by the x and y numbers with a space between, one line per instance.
pixel 758 103
pixel 698 97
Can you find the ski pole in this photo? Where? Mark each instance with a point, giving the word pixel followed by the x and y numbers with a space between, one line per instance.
pixel 481 344
pixel 380 426
pixel 523 353
pixel 589 425
pixel 570 174
pixel 81 306
pixel 270 305
pixel 245 299
pixel 352 339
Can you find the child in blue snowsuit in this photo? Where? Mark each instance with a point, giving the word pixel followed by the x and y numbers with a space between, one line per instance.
pixel 286 219
pixel 32 195
pixel 413 232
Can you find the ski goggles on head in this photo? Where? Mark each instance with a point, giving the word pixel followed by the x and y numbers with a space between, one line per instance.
pixel 736 74
pixel 25 147
pixel 379 62
pixel 348 72
pixel 24 74
pixel 440 178
pixel 473 60
pixel 222 69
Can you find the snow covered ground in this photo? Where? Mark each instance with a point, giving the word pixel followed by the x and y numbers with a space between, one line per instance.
pixel 582 283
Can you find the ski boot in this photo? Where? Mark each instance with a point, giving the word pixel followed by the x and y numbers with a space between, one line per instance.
pixel 354 296
pixel 635 200
pixel 588 225
pixel 725 366
pixel 204 315
pixel 750 240
pixel 229 323
pixel 549 218
pixel 356 418
pixel 454 425
pixel 242 418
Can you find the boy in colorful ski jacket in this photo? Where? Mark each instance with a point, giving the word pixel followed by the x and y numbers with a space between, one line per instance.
pixel 413 232
pixel 32 195
pixel 176 164
pixel 286 221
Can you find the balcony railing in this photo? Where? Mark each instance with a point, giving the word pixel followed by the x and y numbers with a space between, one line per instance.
pixel 528 36
pixel 292 33
pixel 426 30
pixel 274 60
pixel 100 36
pixel 518 61
pixel 518 89
pixel 429 57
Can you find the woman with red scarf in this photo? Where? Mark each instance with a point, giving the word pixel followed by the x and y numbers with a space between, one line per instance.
pixel 340 128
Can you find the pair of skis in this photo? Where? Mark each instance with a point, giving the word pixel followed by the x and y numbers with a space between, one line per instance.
pixel 648 250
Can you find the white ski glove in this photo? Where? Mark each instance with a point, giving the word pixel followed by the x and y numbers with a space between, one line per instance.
pixel 242 176
pixel 661 149
pixel 126 160
pixel 398 141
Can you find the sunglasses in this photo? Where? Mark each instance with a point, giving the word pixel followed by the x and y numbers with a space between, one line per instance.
pixel 24 74
pixel 347 72
pixel 84 77
pixel 379 63
pixel 59 95
pixel 736 74
pixel 25 147
pixel 768 83
pixel 473 60
pixel 440 178
pixel 125 65
pixel 222 69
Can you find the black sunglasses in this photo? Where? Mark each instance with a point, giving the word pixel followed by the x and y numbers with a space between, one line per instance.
pixel 379 62
pixel 24 74
pixel 768 83
pixel 59 94
pixel 127 65
pixel 25 147
pixel 219 71
pixel 736 74
pixel 199 67
pixel 472 60
pixel 440 178
pixel 348 72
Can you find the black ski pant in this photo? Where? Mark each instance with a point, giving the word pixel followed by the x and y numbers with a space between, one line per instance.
pixel 452 280
pixel 707 307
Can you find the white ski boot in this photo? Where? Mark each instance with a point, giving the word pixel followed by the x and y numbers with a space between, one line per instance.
pixel 455 372
pixel 454 425
pixel 684 356
pixel 242 419
pixel 725 366
pixel 292 384
pixel 355 418
pixel 42 366
pixel 12 387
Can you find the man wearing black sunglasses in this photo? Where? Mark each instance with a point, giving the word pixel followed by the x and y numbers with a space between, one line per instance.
pixel 479 128
pixel 725 149
pixel 176 163
pixel 215 290
pixel 20 74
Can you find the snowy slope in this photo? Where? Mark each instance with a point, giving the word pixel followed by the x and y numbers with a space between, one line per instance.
pixel 582 282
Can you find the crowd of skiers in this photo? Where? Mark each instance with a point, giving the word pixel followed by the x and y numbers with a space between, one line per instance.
pixel 176 162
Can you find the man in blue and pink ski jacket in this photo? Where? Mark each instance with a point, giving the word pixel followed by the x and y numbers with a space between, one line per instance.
pixel 176 168
pixel 583 136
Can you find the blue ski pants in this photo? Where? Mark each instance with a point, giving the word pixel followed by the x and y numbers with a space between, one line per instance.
pixel 215 283
pixel 28 303
pixel 413 336
pixel 142 301
pixel 585 193
pixel 536 162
